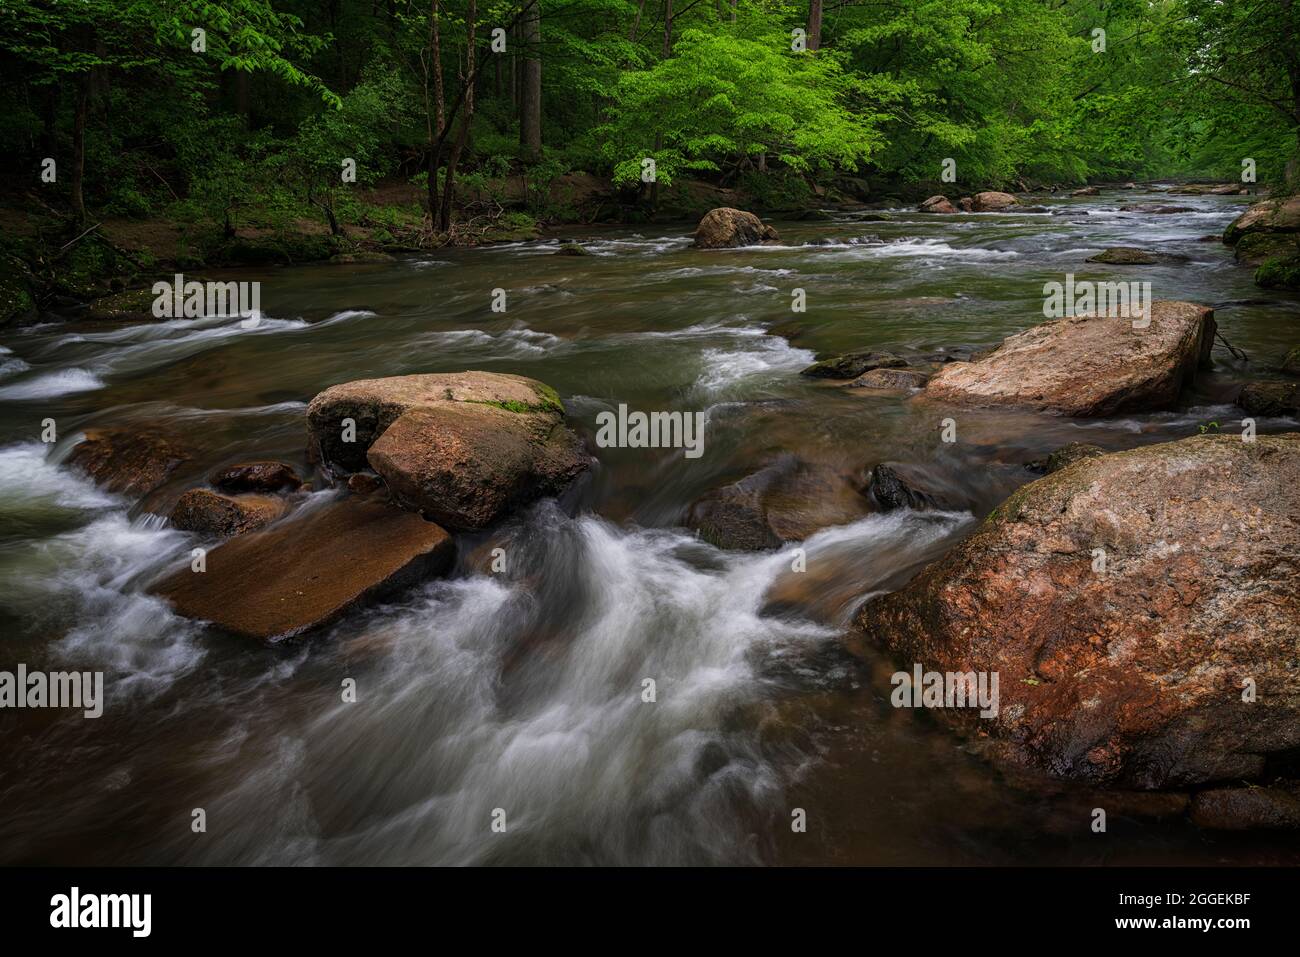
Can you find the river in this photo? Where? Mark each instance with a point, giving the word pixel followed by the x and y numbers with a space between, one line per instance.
pixel 523 691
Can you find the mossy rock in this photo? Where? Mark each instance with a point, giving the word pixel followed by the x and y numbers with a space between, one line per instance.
pixel 1254 249
pixel 130 304
pixel 1279 273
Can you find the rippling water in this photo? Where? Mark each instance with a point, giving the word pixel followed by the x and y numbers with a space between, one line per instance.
pixel 523 692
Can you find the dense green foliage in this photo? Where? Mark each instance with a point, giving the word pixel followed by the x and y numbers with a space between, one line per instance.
pixel 254 122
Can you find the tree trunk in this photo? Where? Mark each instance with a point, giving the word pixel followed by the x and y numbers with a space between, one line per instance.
pixel 814 24
pixel 434 126
pixel 530 97
pixel 466 118
pixel 77 177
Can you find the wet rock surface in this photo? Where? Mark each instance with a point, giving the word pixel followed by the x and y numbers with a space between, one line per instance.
pixel 207 512
pixel 849 365
pixel 462 448
pixel 1131 675
pixel 1087 365
pixel 726 228
pixel 127 460
pixel 303 573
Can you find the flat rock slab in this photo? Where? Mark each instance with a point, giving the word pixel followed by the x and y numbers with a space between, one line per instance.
pixel 1131 675
pixel 463 448
pixel 304 573
pixel 1087 365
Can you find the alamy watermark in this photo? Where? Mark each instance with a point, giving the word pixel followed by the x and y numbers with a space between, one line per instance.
pixel 651 430
pixel 946 689
pixel 179 299
pixel 1127 300
pixel 55 689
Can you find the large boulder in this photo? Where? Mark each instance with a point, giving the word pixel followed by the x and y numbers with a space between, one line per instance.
pixel 992 201
pixel 724 228
pixel 937 204
pixel 1268 216
pixel 307 571
pixel 1087 365
pixel 463 448
pixel 1141 609
pixel 127 460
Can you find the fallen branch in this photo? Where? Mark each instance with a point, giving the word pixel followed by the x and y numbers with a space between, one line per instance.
pixel 1236 353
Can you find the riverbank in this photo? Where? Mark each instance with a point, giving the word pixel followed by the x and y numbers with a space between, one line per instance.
pixel 47 265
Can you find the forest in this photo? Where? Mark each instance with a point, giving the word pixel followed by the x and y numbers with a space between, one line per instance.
pixel 404 125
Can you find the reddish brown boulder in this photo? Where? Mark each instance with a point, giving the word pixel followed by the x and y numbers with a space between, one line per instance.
pixel 1135 671
pixel 1087 365
pixel 992 201
pixel 207 512
pixel 937 204
pixel 725 228
pixel 127 460
pixel 305 572
pixel 463 448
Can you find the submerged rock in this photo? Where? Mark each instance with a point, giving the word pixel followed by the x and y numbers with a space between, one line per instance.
pixel 1270 398
pixel 255 477
pixel 127 460
pixel 572 249
pixel 1087 365
pixel 852 364
pixel 725 228
pixel 1156 208
pixel 1129 672
pixel 783 502
pixel 1087 191
pixel 207 512
pixel 305 572
pixel 893 380
pixel 992 201
pixel 463 448
pixel 1291 364
pixel 894 486
pixel 1129 256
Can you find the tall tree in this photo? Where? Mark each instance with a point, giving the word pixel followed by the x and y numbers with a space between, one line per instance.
pixel 530 95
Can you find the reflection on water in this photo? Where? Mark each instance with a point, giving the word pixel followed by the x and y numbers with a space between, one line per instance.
pixel 525 693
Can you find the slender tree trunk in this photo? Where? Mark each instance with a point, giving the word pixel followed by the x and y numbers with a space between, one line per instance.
pixel 636 24
pixel 435 127
pixel 466 118
pixel 77 178
pixel 814 24
pixel 530 97
pixel 733 11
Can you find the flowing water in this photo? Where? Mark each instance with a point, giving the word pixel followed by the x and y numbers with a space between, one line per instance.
pixel 522 691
